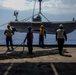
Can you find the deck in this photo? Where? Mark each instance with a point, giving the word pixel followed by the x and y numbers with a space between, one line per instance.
pixel 43 61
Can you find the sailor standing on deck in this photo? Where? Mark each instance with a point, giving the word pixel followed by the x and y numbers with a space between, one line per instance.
pixel 60 37
pixel 9 32
pixel 29 37
pixel 42 32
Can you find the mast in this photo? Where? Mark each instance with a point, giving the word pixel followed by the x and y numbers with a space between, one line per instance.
pixel 40 5
pixel 38 17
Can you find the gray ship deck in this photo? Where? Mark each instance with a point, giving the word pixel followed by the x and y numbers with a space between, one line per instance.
pixel 43 61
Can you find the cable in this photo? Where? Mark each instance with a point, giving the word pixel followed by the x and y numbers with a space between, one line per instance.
pixel 45 17
pixel 33 11
pixel 28 18
pixel 4 24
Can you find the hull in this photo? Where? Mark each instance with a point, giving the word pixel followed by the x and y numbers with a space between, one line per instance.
pixel 50 27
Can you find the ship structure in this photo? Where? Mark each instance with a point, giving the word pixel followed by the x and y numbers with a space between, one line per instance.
pixel 50 27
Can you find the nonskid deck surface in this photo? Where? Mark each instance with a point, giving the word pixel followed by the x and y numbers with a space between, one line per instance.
pixel 43 61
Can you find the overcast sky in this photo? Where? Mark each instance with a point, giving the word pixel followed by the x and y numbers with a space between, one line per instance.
pixel 48 6
pixel 54 10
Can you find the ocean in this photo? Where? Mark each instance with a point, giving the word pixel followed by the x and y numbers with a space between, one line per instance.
pixel 18 38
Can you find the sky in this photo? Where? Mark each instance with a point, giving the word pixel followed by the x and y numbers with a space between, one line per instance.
pixel 53 10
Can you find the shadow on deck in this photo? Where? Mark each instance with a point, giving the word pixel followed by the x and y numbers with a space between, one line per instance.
pixel 24 54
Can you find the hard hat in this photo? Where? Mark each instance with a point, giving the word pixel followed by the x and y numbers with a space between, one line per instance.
pixel 60 26
pixel 41 26
pixel 8 25
pixel 29 28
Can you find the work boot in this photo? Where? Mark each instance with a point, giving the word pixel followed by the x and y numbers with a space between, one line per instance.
pixel 60 53
pixel 8 49
pixel 12 48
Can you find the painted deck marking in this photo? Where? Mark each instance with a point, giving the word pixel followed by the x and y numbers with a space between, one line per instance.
pixel 54 69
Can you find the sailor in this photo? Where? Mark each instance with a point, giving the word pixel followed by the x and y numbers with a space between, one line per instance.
pixel 42 33
pixel 29 37
pixel 60 37
pixel 8 32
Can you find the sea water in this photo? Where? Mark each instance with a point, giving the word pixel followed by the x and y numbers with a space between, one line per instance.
pixel 18 38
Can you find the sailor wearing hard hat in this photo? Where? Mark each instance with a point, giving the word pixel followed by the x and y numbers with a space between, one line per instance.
pixel 8 32
pixel 60 37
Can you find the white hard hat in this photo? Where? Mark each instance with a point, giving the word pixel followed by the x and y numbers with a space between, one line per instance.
pixel 60 26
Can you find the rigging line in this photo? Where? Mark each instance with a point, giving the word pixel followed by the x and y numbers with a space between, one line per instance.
pixel 21 20
pixel 45 17
pixel 34 9
pixel 28 18
pixel 4 24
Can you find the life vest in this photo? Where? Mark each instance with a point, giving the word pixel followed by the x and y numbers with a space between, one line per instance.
pixel 8 32
pixel 41 31
pixel 30 35
pixel 60 33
